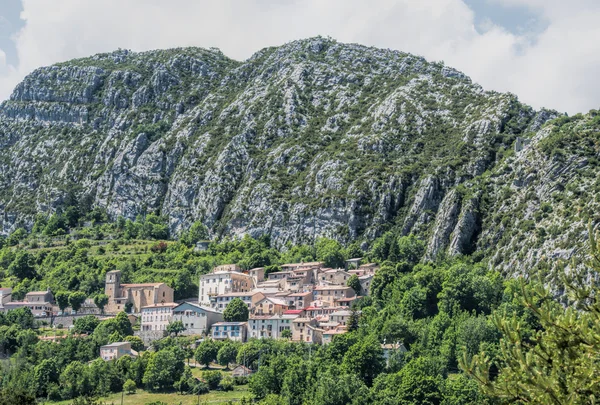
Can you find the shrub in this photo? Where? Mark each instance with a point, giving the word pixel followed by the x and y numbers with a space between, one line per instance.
pixel 212 378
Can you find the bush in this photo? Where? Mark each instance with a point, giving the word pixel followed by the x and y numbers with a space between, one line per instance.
pixel 240 380
pixel 212 378
pixel 200 388
pixel 226 383
pixel 129 387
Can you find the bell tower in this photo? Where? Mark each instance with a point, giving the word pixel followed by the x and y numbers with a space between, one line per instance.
pixel 112 285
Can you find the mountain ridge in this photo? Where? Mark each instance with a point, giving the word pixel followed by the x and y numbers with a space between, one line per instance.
pixel 312 138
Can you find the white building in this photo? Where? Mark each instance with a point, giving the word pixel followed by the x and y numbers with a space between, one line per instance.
pixel 223 282
pixel 235 331
pixel 196 319
pixel 270 326
pixel 157 316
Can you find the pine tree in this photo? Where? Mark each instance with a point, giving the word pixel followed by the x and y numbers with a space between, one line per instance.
pixel 559 363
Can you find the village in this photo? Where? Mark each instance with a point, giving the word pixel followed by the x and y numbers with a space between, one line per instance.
pixel 303 302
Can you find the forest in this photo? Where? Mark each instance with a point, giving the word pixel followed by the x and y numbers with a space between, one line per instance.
pixel 472 336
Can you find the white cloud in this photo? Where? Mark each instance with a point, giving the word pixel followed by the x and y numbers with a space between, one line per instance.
pixel 557 70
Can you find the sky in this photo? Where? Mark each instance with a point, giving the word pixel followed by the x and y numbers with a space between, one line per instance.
pixel 547 52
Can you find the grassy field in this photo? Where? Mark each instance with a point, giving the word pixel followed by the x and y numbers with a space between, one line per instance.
pixel 142 397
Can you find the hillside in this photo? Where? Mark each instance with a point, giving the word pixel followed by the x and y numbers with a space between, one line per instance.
pixel 312 138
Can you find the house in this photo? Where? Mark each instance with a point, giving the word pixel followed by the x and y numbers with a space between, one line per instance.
pixel 40 297
pixel 280 275
pixel 270 285
pixel 241 371
pixel 257 274
pixel 116 350
pixel 269 326
pixel 269 306
pixel 334 276
pixel 365 283
pixel 197 319
pixel 344 302
pixel 222 282
pixel 136 295
pixel 5 296
pixel 297 266
pixel 294 283
pixel 250 298
pixel 299 300
pixel 340 316
pixel 330 334
pixel 300 329
pixel 330 293
pixel 391 348
pixel 157 316
pixel 37 308
pixel 230 330
pixel 227 268
pixel 353 263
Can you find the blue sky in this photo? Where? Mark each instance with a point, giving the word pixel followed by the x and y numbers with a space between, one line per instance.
pixel 545 51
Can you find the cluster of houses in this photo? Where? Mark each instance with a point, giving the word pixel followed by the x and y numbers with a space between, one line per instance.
pixel 308 300
pixel 41 303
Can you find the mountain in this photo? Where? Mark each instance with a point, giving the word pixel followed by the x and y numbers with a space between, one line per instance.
pixel 312 138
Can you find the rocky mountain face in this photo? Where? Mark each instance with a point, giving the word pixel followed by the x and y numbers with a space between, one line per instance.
pixel 313 138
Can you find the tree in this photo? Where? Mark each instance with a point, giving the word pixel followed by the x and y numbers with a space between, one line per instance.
pixel 206 352
pixel 559 363
pixel 74 380
pixel 137 343
pixel 186 382
pixel 286 334
pixel 236 311
pixel 365 359
pixel 212 378
pixel 227 354
pixel 76 299
pixel 85 324
pixel 410 249
pixel 226 383
pixel 22 266
pixel 354 282
pixel 101 300
pixel 330 252
pixel 197 232
pixel 352 323
pixel 129 387
pixel 175 328
pixel 163 369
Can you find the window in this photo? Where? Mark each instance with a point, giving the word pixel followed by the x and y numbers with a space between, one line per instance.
pixel 163 293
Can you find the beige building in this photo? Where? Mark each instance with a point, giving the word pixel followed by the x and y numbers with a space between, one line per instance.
pixel 269 306
pixel 334 276
pixel 299 300
pixel 139 295
pixel 250 298
pixel 39 302
pixel 222 282
pixel 302 329
pixel 116 350
pixel 330 293
pixel 157 316
pixel 40 297
pixel 340 317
